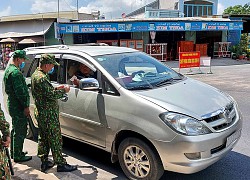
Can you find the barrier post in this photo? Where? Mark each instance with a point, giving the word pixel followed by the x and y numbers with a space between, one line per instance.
pixel 206 62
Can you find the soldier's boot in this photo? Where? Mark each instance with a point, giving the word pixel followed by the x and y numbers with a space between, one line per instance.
pixel 22 158
pixel 24 153
pixel 46 165
pixel 66 168
pixel 12 154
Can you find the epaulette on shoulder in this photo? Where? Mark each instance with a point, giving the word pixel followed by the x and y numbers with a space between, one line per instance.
pixel 40 77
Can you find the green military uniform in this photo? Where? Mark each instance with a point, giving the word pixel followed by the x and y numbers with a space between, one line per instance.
pixel 47 113
pixel 18 100
pixel 4 169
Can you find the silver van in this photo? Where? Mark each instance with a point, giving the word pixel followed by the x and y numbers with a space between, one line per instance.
pixel 148 116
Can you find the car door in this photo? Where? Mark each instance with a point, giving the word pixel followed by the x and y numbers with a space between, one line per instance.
pixel 80 115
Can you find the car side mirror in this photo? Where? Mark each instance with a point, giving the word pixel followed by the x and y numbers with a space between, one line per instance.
pixel 89 84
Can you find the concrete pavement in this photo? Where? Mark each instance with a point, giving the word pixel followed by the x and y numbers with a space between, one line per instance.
pixel 31 170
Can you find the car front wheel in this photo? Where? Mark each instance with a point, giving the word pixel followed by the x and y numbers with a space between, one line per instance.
pixel 139 161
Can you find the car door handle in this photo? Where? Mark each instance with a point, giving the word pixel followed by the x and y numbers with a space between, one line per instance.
pixel 65 98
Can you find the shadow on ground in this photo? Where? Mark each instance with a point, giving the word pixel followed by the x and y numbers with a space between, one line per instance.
pixel 233 166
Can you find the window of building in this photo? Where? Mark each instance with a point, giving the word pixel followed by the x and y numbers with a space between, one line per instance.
pixel 198 8
pixel 195 14
pixel 209 11
pixel 204 10
pixel 200 13
pixel 185 10
pixel 190 11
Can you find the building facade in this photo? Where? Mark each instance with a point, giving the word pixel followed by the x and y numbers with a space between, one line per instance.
pixel 193 8
pixel 21 31
pixel 189 8
pixel 185 9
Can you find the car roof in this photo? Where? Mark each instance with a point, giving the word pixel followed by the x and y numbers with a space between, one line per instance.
pixel 101 50
pixel 93 50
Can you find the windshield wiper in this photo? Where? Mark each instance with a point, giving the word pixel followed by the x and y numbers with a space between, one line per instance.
pixel 139 87
pixel 167 81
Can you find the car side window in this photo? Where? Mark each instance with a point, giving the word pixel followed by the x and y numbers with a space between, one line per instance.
pixel 61 78
pixel 108 88
pixel 76 71
pixel 70 69
pixel 32 65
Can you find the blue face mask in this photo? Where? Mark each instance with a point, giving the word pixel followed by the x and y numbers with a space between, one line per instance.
pixel 21 66
pixel 51 71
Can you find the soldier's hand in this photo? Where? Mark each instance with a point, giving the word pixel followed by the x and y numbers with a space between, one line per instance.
pixel 67 88
pixel 27 111
pixel 6 143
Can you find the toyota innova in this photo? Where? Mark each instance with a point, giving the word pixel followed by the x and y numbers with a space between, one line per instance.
pixel 148 116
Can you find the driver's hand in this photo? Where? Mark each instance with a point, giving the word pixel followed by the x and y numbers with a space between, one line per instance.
pixel 76 82
pixel 67 88
pixel 60 87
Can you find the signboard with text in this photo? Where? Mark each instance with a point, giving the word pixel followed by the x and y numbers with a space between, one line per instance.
pixel 128 26
pixel 189 59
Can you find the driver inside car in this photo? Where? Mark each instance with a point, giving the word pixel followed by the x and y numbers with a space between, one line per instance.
pixel 83 72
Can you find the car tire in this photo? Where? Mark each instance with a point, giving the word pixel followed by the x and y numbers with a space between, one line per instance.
pixel 139 161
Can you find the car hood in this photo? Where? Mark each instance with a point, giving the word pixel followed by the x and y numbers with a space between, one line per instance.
pixel 190 97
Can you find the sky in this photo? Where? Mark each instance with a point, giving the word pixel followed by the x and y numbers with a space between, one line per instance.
pixel 110 8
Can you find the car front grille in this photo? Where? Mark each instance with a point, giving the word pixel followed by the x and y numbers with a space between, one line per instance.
pixel 224 119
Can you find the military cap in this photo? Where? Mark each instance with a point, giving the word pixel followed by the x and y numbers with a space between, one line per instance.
pixel 19 54
pixel 48 59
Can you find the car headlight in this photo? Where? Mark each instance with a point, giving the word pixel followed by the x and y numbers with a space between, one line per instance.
pixel 184 124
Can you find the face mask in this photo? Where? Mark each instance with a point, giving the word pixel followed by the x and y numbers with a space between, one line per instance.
pixel 21 66
pixel 51 71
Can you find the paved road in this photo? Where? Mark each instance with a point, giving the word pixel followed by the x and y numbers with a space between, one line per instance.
pixel 228 75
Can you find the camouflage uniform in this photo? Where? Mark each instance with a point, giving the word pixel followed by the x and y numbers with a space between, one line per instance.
pixel 18 100
pixel 47 113
pixel 4 168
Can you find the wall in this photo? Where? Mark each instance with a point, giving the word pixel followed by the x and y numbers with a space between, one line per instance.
pixel 215 7
pixel 167 4
pixel 141 35
pixel 190 36
pixel 224 36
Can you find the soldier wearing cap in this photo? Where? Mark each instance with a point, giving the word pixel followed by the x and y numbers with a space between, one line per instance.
pixel 5 142
pixel 18 104
pixel 47 115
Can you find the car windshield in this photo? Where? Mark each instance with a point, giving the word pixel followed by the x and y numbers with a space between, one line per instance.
pixel 138 70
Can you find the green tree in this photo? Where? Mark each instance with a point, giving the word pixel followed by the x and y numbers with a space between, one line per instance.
pixel 242 47
pixel 238 9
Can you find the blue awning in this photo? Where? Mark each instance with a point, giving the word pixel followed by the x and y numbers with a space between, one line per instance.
pixel 100 27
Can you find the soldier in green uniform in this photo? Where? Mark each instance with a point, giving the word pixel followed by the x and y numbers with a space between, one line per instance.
pixel 18 104
pixel 4 127
pixel 47 115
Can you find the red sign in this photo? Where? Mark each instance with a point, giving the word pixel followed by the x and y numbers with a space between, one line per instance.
pixel 189 59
